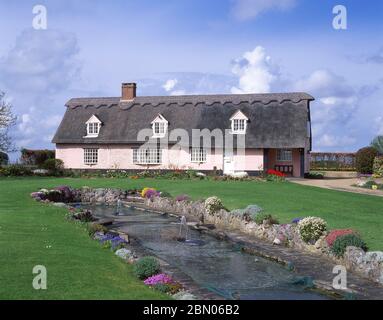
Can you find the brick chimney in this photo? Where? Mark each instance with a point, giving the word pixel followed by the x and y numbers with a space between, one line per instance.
pixel 128 91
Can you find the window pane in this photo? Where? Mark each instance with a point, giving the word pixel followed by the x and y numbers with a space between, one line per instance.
pixel 90 156
pixel 147 156
pixel 284 155
pixel 198 155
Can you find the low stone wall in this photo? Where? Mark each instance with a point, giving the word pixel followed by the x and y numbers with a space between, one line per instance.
pixel 339 174
pixel 368 264
pixel 102 195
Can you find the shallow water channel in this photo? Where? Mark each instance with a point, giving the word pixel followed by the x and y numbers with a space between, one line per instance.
pixel 217 265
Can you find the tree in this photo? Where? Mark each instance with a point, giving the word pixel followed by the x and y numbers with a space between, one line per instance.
pixel 364 160
pixel 7 119
pixel 377 144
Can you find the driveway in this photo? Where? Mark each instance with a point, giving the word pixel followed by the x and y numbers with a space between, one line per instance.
pixel 337 184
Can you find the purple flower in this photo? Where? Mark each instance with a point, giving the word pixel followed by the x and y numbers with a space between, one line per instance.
pixel 115 241
pixel 161 278
pixel 151 193
pixel 296 220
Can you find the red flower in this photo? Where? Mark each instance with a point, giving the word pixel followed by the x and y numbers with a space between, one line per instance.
pixel 334 234
pixel 275 173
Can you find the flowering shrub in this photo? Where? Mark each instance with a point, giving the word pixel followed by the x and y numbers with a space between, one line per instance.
pixel 112 241
pixel 163 283
pixel 296 220
pixel 378 166
pixel 183 197
pixel 213 204
pixel 151 193
pixel 311 228
pixel 341 243
pixel 146 190
pixel 275 175
pixel 334 234
pixel 158 278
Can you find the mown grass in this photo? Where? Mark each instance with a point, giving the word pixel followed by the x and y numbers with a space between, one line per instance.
pixel 78 268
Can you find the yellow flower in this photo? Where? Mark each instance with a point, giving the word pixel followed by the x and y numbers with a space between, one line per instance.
pixel 145 190
pixel 374 187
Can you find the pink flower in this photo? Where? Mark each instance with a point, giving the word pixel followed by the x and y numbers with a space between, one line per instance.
pixel 158 279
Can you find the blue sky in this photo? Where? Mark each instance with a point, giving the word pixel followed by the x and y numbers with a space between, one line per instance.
pixel 195 46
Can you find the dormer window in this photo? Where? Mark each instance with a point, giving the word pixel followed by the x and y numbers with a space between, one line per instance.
pixel 239 123
pixel 160 126
pixel 93 126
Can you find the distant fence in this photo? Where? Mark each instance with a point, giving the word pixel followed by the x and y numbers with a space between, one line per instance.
pixel 332 161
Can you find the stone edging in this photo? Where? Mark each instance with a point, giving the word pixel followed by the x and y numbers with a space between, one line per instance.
pixel 367 264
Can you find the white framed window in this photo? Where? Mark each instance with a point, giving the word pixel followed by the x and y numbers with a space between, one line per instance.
pixel 90 156
pixel 159 129
pixel 160 126
pixel 198 155
pixel 284 155
pixel 238 123
pixel 93 126
pixel 147 156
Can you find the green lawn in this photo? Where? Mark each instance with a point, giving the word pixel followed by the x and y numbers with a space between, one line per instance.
pixel 79 268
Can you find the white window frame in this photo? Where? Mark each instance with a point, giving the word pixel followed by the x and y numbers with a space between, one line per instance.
pixel 159 126
pixel 284 155
pixel 93 126
pixel 239 123
pixel 198 155
pixel 90 156
pixel 147 156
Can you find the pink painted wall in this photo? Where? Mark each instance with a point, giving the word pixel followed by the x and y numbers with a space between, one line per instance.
pixel 121 157
pixel 250 160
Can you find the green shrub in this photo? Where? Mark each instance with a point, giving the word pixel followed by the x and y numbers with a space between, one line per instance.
pixel 314 175
pixel 165 194
pixel 377 143
pixel 341 243
pixel 17 170
pixel 260 217
pixel 311 228
pixel 378 166
pixel 3 158
pixel 36 157
pixel 95 227
pixel 146 267
pixel 55 166
pixel 364 160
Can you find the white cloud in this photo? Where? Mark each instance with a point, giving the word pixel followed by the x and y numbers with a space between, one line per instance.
pixel 170 84
pixel 334 110
pixel 178 93
pixel 255 71
pixel 41 61
pixel 38 72
pixel 249 9
pixel 331 141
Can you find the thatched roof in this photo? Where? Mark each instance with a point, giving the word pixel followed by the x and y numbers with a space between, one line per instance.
pixel 276 120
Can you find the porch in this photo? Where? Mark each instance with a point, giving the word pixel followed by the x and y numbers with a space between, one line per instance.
pixel 289 161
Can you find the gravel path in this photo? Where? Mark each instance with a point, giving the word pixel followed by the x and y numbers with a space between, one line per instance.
pixel 337 184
